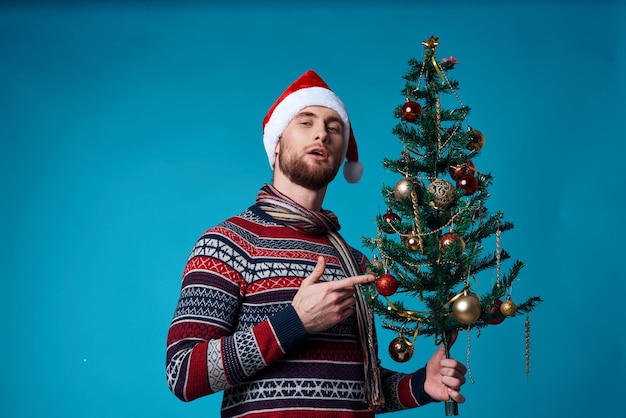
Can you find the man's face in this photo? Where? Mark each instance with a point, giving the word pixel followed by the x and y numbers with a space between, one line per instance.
pixel 310 150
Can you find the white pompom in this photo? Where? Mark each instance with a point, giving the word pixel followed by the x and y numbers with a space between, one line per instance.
pixel 352 171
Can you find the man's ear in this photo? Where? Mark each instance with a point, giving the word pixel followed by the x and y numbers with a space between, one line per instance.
pixel 277 149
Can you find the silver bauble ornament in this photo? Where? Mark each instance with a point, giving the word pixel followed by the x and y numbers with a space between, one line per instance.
pixel 402 189
pixel 466 308
pixel 443 192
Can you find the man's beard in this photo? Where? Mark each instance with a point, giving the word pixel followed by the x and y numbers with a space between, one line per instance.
pixel 304 174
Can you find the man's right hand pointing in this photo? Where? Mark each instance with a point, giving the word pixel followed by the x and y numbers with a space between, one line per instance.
pixel 320 305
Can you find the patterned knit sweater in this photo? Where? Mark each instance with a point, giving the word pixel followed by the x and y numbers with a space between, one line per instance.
pixel 235 330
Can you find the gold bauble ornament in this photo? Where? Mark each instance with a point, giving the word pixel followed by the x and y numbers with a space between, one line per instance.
pixel 412 243
pixel 443 192
pixel 466 308
pixel 477 140
pixel 508 307
pixel 402 189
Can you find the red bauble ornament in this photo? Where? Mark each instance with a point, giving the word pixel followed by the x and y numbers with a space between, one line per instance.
pixel 469 183
pixel 411 110
pixel 496 316
pixel 386 284
pixel 458 171
pixel 448 238
pixel 390 218
pixel 401 350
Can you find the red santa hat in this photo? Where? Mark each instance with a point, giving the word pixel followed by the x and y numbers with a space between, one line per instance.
pixel 310 90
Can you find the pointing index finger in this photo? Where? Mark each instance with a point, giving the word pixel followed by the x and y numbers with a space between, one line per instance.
pixel 352 281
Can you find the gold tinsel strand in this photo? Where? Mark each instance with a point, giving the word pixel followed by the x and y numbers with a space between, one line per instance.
pixel 467 357
pixel 416 214
pixel 498 255
pixel 527 329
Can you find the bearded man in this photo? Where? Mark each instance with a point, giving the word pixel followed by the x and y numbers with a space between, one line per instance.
pixel 271 311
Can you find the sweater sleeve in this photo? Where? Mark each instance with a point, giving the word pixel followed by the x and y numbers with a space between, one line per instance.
pixel 404 391
pixel 205 353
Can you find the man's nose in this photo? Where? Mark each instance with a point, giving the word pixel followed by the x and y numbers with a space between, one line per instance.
pixel 321 134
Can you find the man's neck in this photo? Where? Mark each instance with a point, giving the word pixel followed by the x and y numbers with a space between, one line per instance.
pixel 310 199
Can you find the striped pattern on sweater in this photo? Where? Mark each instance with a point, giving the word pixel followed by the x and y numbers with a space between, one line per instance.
pixel 234 329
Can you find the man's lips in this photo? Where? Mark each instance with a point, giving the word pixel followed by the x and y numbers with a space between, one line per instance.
pixel 318 153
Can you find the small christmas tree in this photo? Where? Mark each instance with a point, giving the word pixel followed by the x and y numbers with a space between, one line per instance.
pixel 429 245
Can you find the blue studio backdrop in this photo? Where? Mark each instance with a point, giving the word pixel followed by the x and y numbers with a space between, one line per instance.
pixel 128 128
